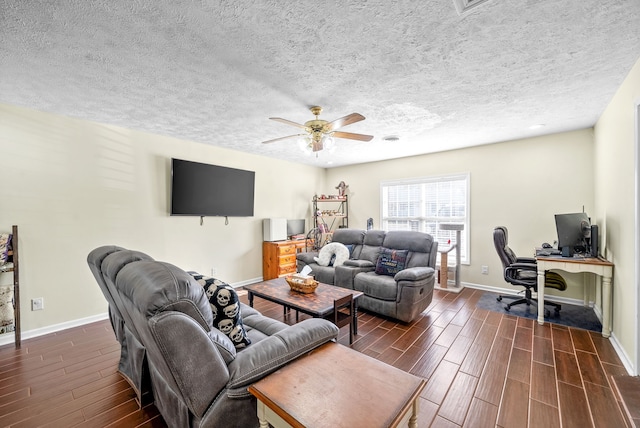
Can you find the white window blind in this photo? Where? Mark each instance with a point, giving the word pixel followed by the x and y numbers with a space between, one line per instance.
pixel 422 204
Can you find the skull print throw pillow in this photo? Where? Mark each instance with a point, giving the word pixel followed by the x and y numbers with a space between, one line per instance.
pixel 225 306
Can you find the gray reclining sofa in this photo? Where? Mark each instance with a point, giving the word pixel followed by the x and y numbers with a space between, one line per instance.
pixel 403 295
pixel 172 354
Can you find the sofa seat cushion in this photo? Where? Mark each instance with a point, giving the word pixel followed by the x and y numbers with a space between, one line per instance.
pixel 382 287
pixel 324 274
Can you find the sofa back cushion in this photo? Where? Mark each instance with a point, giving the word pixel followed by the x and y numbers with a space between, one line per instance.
pixel 352 238
pixel 421 247
pixel 371 246
pixel 110 267
pixel 153 287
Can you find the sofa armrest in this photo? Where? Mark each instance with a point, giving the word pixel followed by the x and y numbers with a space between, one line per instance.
pixel 414 274
pixel 307 257
pixel 360 264
pixel 273 352
pixel 345 274
pixel 193 358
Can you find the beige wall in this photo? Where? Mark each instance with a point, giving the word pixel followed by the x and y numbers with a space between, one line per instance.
pixel 73 185
pixel 518 184
pixel 615 162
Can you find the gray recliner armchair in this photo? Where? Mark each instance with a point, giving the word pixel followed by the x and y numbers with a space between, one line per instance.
pixel 163 321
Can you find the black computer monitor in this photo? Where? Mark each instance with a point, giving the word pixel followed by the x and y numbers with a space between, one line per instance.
pixel 574 232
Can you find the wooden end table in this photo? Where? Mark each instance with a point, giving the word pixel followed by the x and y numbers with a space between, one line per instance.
pixel 318 304
pixel 336 386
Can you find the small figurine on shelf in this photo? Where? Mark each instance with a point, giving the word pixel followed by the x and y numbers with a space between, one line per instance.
pixel 342 187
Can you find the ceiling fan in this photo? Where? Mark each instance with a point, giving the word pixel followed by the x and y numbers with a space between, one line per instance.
pixel 319 132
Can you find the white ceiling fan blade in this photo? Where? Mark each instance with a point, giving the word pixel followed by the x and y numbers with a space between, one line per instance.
pixel 343 121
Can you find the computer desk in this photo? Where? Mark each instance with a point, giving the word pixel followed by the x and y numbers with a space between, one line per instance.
pixel 598 266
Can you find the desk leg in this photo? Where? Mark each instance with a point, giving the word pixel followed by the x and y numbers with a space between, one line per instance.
pixel 262 415
pixel 606 306
pixel 540 296
pixel 413 420
pixel 586 288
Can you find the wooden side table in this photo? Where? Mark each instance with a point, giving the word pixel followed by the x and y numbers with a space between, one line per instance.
pixel 337 386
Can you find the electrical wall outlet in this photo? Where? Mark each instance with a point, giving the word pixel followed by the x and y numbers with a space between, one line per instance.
pixel 485 270
pixel 214 271
pixel 37 304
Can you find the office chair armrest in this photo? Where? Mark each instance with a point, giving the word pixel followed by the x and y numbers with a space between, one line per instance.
pixel 526 260
pixel 523 266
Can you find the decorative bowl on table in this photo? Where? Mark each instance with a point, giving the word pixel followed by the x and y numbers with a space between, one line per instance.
pixel 301 285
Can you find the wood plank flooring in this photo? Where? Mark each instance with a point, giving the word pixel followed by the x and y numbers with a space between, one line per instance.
pixel 483 368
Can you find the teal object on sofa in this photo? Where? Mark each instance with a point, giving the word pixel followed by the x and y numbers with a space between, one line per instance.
pixel 402 295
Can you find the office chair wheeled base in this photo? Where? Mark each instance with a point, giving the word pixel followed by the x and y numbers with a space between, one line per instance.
pixel 529 300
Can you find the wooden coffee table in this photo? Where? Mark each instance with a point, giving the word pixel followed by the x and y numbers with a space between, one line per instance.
pixel 334 386
pixel 318 304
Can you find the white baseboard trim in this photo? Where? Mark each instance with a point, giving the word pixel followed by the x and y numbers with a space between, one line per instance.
pixel 246 282
pixel 626 361
pixel 30 334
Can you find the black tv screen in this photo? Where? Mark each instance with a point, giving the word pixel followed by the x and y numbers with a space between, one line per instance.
pixel 201 189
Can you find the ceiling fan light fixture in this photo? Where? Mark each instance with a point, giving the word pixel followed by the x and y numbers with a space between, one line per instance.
pixel 329 144
pixel 305 144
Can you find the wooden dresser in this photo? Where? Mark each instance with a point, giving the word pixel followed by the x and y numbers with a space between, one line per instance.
pixel 279 257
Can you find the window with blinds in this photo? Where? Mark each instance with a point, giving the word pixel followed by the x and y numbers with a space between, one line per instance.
pixel 422 204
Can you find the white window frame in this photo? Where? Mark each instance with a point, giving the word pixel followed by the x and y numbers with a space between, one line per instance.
pixel 430 216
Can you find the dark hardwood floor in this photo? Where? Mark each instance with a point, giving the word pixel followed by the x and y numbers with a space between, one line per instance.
pixel 483 368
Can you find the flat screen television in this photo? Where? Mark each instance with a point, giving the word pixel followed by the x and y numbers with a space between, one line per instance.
pixel 295 227
pixel 574 231
pixel 200 189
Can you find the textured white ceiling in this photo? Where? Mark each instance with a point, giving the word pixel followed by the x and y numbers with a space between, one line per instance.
pixel 215 71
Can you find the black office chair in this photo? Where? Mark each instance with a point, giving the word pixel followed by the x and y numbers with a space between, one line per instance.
pixel 523 271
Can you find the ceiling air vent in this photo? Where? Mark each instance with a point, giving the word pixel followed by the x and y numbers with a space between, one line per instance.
pixel 391 138
pixel 464 6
